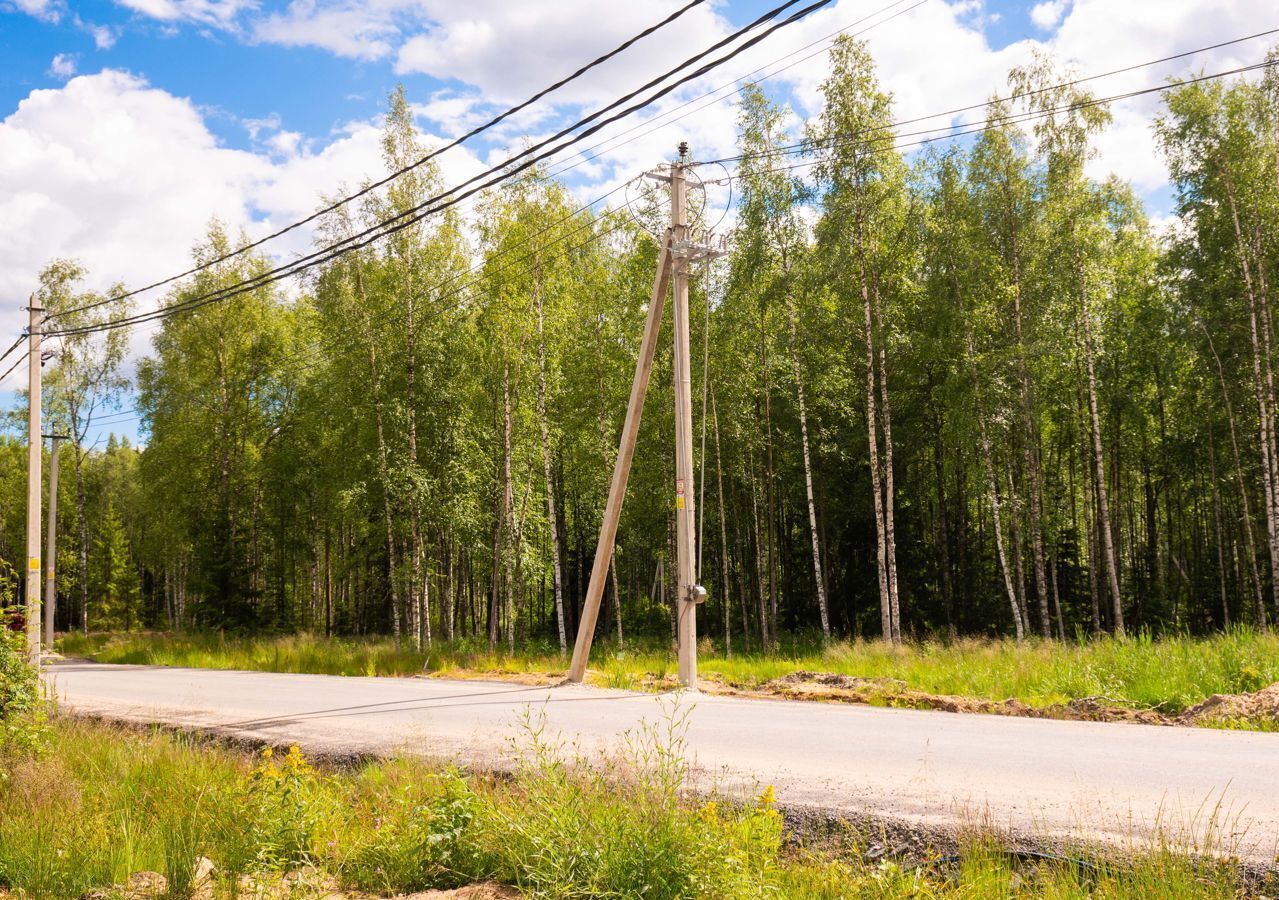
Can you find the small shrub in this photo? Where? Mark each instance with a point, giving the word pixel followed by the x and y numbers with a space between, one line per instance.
pixel 23 726
pixel 418 843
pixel 284 807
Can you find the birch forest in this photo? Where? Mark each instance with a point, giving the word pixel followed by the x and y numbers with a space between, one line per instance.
pixel 956 388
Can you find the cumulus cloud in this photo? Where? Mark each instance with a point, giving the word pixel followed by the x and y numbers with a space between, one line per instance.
pixel 503 48
pixel 1046 15
pixel 355 30
pixel 63 65
pixel 125 177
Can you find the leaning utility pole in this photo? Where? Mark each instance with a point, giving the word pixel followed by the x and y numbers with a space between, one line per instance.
pixel 672 265
pixel 51 544
pixel 34 449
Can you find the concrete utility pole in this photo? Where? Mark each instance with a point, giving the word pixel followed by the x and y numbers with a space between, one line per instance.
pixel 35 446
pixel 672 264
pixel 687 594
pixel 51 544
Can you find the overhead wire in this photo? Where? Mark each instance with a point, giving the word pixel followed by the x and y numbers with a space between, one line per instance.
pixel 17 362
pixel 317 349
pixel 14 346
pixel 295 265
pixel 972 128
pixel 1034 93
pixel 382 182
pixel 500 172
pixel 551 175
pixel 740 80
pixel 985 125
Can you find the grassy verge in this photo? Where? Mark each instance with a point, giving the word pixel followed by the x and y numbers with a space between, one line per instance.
pixel 1168 674
pixel 110 804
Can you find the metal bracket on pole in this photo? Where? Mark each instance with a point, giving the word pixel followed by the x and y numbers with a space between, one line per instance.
pixel 692 251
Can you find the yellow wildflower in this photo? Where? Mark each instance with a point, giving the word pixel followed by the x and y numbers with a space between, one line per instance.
pixel 767 798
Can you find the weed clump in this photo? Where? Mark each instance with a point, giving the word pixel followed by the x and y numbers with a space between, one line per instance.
pixel 567 828
pixel 421 838
pixel 23 727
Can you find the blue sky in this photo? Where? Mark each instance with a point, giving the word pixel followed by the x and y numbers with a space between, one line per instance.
pixel 126 124
pixel 311 89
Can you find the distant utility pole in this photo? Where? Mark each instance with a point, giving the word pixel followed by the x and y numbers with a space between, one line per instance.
pixel 35 446
pixel 676 254
pixel 51 545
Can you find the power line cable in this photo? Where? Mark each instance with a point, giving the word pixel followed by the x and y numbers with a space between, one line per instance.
pixel 17 362
pixel 416 213
pixel 500 167
pixel 367 189
pixel 793 148
pixel 999 122
pixel 555 173
pixel 881 10
pixel 14 346
pixel 1002 121
pixel 1065 84
pixel 318 348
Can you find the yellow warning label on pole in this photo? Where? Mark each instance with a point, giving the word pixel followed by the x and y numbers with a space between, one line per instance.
pixel 34 564
pixel 679 501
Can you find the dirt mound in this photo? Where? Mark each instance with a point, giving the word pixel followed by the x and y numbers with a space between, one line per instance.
pixel 893 693
pixel 1262 704
pixel 843 682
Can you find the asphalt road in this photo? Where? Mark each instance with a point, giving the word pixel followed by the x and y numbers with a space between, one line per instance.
pixel 1035 778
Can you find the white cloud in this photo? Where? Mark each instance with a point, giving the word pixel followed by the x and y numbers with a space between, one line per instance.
pixel 125 177
pixel 504 49
pixel 218 13
pixel 48 10
pixel 104 37
pixel 63 65
pixel 1046 15
pixel 352 29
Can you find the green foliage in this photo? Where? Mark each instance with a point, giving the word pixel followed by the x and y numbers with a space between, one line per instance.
pixel 975 379
pixel 115 585
pixel 570 830
pixel 114 802
pixel 22 707
pixel 421 838
pixel 285 806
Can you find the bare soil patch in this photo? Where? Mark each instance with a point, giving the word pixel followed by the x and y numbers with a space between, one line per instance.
pixel 1257 706
pixel 1261 705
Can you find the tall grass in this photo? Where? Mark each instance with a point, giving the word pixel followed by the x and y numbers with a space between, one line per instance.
pixel 1169 673
pixel 111 803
